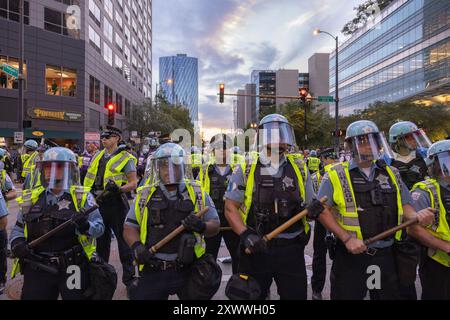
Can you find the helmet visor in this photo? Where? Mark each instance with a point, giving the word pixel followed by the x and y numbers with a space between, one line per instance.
pixel 444 163
pixel 57 175
pixel 276 133
pixel 167 171
pixel 415 140
pixel 370 147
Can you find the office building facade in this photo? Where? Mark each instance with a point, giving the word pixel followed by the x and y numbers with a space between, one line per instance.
pixel 79 57
pixel 404 56
pixel 319 69
pixel 178 80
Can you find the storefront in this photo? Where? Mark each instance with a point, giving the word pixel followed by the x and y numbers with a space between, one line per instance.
pixel 40 116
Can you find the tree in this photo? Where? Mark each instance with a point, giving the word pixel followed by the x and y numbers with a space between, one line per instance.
pixel 363 12
pixel 165 118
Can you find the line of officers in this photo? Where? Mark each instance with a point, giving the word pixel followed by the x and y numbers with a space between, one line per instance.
pixel 383 185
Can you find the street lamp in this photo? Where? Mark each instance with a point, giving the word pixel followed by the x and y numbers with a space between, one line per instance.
pixel 336 98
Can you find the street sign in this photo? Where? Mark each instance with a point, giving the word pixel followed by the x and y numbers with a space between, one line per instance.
pixel 18 137
pixel 325 99
pixel 13 72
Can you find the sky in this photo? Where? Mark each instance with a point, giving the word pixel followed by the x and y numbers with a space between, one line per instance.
pixel 231 38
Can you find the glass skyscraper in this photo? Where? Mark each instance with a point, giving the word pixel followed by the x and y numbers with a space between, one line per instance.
pixel 406 55
pixel 178 80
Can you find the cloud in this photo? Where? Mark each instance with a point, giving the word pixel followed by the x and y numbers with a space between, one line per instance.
pixel 233 37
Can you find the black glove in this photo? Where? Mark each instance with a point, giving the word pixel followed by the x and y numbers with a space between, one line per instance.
pixel 193 223
pixel 141 253
pixel 315 208
pixel 251 240
pixel 112 187
pixel 20 249
pixel 80 220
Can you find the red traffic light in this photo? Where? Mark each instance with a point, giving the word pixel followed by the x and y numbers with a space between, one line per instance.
pixel 221 92
pixel 110 107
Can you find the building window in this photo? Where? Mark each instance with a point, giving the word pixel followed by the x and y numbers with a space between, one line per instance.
pixel 127 33
pixel 120 2
pixel 60 81
pixel 56 21
pixel 127 14
pixel 108 95
pixel 109 9
pixel 107 29
pixel 134 43
pixel 94 39
pixel 107 53
pixel 127 108
pixel 119 20
pixel 133 25
pixel 126 52
pixel 94 90
pixel 9 9
pixel 119 103
pixel 133 61
pixel 118 64
pixel 119 43
pixel 7 81
pixel 133 6
pixel 127 73
pixel 94 12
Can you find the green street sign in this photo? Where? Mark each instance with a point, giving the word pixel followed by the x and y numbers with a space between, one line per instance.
pixel 325 98
pixel 13 72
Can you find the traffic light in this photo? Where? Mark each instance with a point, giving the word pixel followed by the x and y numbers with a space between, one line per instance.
pixel 221 92
pixel 111 113
pixel 303 93
pixel 341 133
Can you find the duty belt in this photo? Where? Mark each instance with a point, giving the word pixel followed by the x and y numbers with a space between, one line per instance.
pixel 163 265
pixel 73 256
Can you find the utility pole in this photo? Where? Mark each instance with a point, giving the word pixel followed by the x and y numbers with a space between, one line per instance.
pixel 21 58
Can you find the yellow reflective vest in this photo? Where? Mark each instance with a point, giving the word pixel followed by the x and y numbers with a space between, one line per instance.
pixel 79 195
pixel 313 164
pixel 206 183
pixel 113 170
pixel 344 198
pixel 300 171
pixel 28 163
pixel 440 228
pixel 144 194
pixel 197 162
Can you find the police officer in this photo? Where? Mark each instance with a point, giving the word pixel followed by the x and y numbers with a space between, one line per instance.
pixel 28 158
pixel 58 199
pixel 197 163
pixel 32 178
pixel 168 201
pixel 87 155
pixel 409 145
pixel 313 162
pixel 435 193
pixel 113 170
pixel 369 198
pixel 8 193
pixel 275 187
pixel 5 157
pixel 217 173
pixel 322 237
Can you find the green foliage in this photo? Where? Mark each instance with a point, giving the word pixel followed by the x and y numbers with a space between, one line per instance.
pixel 165 118
pixel 434 119
pixel 363 12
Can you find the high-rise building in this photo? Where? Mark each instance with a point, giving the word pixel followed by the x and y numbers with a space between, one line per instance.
pixel 280 82
pixel 318 68
pixel 79 56
pixel 178 80
pixel 240 110
pixel 405 55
